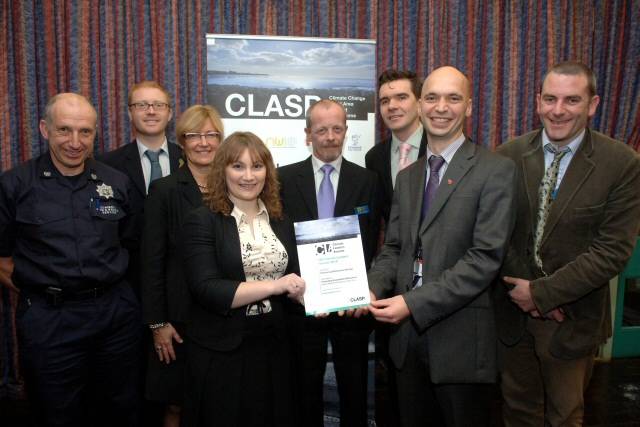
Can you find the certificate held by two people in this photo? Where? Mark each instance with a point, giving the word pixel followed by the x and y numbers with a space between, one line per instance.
pixel 332 264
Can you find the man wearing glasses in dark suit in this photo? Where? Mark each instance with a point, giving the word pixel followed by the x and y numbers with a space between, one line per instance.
pixel 148 157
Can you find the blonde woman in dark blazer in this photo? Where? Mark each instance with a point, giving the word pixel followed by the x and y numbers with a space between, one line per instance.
pixel 240 262
pixel 165 298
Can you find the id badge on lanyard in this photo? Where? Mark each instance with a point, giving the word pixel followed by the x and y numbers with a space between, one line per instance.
pixel 417 269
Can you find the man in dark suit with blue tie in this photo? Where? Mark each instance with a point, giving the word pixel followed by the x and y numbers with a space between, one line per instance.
pixel 327 185
pixel 450 221
pixel 148 157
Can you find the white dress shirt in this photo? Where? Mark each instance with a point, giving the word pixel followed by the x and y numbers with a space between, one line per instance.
pixel 165 164
pixel 318 174
pixel 414 141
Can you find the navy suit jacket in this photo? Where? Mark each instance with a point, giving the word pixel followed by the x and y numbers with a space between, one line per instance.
pixel 127 160
pixel 357 188
pixel 212 260
pixel 165 296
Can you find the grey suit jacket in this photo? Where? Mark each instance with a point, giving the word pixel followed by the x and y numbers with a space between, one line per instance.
pixel 588 238
pixel 463 237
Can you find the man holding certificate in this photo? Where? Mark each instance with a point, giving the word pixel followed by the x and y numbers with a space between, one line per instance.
pixel 451 218
pixel 323 186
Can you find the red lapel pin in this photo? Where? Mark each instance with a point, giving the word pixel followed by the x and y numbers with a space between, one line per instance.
pixel 449 181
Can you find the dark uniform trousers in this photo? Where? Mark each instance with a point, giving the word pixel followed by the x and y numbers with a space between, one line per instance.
pixel 66 347
pixel 349 339
pixel 78 322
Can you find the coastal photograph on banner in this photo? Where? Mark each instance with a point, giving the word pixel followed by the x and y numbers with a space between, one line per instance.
pixel 265 85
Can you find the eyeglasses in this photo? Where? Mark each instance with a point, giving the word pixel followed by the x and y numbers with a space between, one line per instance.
pixel 196 136
pixel 144 105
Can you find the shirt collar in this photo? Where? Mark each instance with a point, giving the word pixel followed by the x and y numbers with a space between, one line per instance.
pixel 317 163
pixel 46 169
pixel 143 148
pixel 573 145
pixel 240 216
pixel 414 140
pixel 450 151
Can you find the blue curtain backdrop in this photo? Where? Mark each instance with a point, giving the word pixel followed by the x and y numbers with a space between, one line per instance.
pixel 100 48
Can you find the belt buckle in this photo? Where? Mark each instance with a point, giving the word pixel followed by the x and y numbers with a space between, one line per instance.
pixel 53 296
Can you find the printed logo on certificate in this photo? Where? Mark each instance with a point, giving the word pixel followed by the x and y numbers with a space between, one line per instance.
pixel 332 264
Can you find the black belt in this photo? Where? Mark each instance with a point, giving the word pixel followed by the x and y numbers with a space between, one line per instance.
pixel 56 296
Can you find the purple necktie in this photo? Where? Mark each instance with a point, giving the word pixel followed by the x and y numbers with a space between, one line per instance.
pixel 435 163
pixel 326 199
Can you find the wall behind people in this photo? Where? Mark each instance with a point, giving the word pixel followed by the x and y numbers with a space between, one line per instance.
pixel 100 48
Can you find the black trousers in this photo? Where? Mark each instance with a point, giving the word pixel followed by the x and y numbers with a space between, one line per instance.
pixel 423 403
pixel 81 358
pixel 349 341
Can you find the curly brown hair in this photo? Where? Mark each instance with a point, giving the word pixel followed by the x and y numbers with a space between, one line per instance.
pixel 217 199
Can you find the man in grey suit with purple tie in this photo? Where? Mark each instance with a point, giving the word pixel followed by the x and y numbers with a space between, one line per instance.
pixel 450 220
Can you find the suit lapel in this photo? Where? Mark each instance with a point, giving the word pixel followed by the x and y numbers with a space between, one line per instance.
pixel 133 165
pixel 280 232
pixel 307 187
pixel 462 162
pixel 577 173
pixel 533 170
pixel 423 144
pixel 386 167
pixel 188 187
pixel 347 184
pixel 416 194
pixel 175 155
pixel 231 241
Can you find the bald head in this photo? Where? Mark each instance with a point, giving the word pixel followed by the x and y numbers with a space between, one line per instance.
pixel 68 99
pixel 445 104
pixel 69 125
pixel 324 104
pixel 453 75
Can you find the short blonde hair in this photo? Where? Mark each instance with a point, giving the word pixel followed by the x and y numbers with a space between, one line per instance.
pixel 148 84
pixel 326 103
pixel 192 119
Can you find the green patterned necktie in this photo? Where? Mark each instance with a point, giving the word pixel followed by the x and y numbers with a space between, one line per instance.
pixel 545 193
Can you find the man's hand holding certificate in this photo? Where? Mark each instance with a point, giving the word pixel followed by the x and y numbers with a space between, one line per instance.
pixel 332 264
